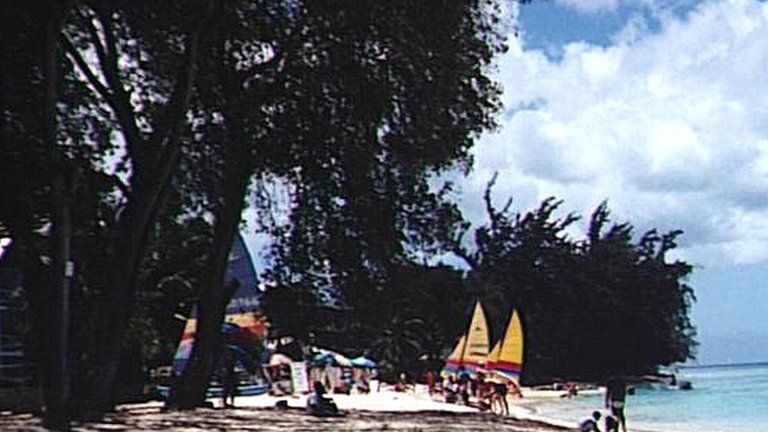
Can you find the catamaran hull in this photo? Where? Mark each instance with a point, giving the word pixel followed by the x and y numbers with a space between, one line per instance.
pixel 216 391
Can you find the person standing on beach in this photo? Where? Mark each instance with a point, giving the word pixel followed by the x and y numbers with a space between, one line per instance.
pixel 615 399
pixel 499 397
pixel 464 385
pixel 229 379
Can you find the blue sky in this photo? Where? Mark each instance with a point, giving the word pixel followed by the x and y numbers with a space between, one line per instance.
pixel 661 108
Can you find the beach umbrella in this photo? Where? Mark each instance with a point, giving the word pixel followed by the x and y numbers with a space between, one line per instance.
pixel 340 360
pixel 363 362
pixel 324 356
pixel 321 358
pixel 240 336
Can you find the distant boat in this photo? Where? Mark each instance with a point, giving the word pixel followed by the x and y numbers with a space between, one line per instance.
pixel 471 351
pixel 506 357
pixel 669 378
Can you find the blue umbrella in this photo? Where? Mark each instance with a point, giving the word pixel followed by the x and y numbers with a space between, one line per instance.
pixel 364 362
pixel 324 356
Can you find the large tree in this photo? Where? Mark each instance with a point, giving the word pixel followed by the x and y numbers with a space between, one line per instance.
pixel 611 303
pixel 115 80
pixel 400 90
pixel 244 81
pixel 141 61
pixel 349 104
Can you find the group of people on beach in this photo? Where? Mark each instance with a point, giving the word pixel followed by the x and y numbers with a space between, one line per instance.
pixel 615 399
pixel 479 390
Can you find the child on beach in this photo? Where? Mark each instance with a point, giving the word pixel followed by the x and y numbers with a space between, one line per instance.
pixel 590 424
pixel 611 424
pixel 319 405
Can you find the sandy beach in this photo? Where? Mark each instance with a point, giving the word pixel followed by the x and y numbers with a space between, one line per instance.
pixel 374 412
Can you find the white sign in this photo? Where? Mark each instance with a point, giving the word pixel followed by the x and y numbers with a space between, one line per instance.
pixel 299 378
pixel 69 269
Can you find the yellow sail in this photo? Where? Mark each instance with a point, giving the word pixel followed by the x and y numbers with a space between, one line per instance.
pixel 493 356
pixel 471 352
pixel 509 361
pixel 476 351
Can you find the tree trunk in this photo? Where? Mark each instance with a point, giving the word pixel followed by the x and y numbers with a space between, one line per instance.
pixel 56 362
pixel 190 391
pixel 134 232
pixel 135 229
pixel 57 394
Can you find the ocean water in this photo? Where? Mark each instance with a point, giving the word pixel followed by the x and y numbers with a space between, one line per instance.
pixel 724 399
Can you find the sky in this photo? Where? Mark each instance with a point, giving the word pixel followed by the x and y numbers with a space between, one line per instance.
pixel 661 108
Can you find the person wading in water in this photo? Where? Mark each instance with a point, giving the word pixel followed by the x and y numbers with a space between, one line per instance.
pixel 615 399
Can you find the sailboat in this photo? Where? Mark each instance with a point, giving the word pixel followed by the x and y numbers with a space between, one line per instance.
pixel 244 329
pixel 506 357
pixel 471 351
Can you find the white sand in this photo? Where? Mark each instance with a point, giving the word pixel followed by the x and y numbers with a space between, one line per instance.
pixel 376 411
pixel 390 401
pixel 382 401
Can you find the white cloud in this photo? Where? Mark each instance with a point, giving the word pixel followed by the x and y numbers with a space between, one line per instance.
pixel 590 6
pixel 670 126
pixel 594 6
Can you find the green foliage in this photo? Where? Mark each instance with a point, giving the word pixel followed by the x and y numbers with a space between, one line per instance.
pixel 608 304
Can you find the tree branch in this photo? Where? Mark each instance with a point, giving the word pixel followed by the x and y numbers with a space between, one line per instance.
pixel 88 21
pixel 115 180
pixel 168 131
pixel 108 60
pixel 173 117
pixel 119 105
pixel 83 67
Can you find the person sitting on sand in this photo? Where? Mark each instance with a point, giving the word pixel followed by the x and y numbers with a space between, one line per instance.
pixel 483 392
pixel 611 424
pixel 450 389
pixel 318 404
pixel 429 377
pixel 590 424
pixel 362 384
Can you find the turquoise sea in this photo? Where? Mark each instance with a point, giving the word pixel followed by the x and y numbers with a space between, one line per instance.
pixel 724 399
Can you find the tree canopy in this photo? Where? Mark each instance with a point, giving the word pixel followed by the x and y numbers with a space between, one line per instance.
pixel 610 303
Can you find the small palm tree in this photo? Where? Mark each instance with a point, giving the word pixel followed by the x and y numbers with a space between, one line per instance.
pixel 400 342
